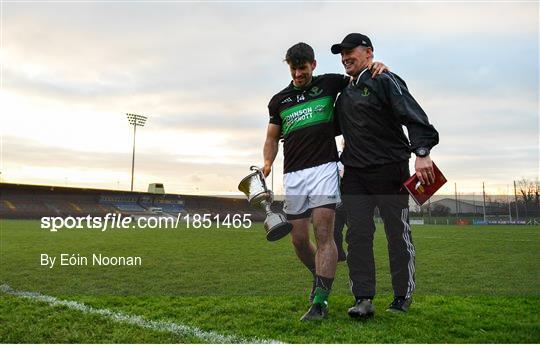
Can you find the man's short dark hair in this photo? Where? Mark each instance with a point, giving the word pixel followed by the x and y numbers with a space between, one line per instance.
pixel 299 54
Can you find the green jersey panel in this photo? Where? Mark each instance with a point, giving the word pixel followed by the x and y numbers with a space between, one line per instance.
pixel 307 114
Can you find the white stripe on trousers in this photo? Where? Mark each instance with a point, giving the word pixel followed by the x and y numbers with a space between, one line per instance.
pixel 412 253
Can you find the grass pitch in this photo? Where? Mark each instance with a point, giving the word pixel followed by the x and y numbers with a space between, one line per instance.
pixel 476 284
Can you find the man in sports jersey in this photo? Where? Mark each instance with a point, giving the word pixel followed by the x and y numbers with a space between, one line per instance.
pixel 303 114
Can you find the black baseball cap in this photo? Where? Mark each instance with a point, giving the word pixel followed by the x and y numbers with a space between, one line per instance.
pixel 351 41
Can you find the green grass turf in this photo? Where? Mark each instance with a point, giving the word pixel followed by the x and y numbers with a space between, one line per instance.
pixel 474 284
pixel 22 321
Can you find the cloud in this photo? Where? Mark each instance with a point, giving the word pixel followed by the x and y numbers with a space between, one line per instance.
pixel 94 169
pixel 204 72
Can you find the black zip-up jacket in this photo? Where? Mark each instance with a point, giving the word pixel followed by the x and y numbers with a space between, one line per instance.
pixel 370 113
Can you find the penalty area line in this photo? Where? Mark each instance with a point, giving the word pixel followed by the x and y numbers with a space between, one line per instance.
pixel 136 320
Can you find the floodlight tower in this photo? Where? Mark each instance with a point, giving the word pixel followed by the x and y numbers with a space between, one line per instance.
pixel 135 120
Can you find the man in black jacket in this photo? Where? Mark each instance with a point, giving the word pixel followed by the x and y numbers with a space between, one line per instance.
pixel 371 113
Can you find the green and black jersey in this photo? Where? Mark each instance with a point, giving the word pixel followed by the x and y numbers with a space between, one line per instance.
pixel 306 118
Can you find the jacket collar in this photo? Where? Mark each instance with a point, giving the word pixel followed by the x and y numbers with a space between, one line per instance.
pixel 362 76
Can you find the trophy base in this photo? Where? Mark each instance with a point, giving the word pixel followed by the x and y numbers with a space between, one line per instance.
pixel 278 231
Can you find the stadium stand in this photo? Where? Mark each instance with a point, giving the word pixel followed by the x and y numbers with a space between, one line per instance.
pixel 123 202
pixel 32 201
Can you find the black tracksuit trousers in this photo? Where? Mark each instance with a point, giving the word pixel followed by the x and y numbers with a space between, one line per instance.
pixel 363 190
pixel 340 221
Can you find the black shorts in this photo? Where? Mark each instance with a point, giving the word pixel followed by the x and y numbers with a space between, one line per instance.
pixel 308 212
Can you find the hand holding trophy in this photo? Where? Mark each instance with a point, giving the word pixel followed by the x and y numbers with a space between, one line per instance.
pixel 259 196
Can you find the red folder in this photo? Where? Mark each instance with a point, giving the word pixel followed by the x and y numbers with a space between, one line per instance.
pixel 421 193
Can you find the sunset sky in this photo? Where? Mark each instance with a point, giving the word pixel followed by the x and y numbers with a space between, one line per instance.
pixel 204 72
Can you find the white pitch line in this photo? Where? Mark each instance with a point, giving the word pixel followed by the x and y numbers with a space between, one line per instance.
pixel 160 326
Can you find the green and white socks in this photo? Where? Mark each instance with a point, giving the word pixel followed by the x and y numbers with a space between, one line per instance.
pixel 323 286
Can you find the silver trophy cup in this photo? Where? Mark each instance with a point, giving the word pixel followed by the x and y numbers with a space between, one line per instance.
pixel 254 187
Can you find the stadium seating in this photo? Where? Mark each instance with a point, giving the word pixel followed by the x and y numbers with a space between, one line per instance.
pixel 29 201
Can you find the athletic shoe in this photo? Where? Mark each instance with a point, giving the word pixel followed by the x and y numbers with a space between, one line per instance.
pixel 362 308
pixel 400 305
pixel 315 312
